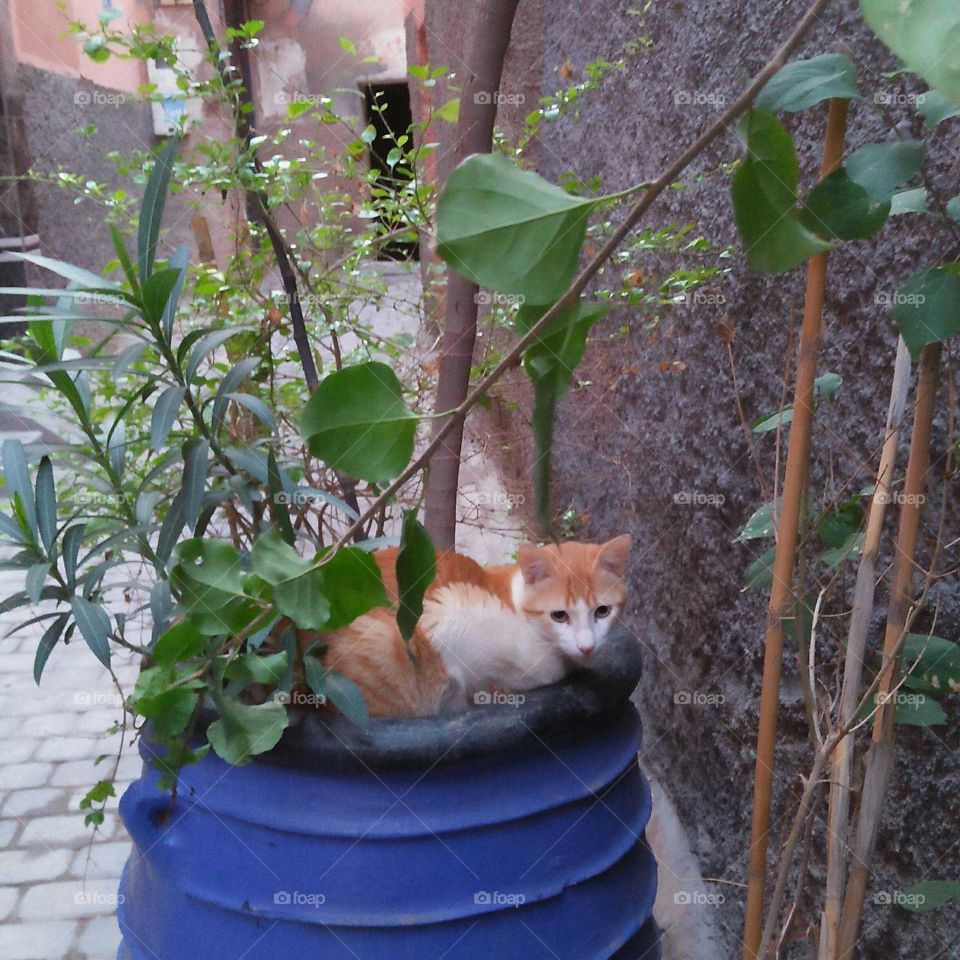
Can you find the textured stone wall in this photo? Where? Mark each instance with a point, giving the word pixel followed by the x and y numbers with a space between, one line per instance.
pixel 657 418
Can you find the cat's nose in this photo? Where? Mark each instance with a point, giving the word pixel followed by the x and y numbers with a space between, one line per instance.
pixel 586 647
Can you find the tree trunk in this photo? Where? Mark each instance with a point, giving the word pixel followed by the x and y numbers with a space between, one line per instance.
pixel 490 32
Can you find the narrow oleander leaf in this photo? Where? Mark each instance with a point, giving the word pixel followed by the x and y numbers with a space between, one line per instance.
pixel 48 641
pixel 46 500
pixel 196 458
pixel 151 210
pixel 94 626
pixel 16 475
pixel 165 414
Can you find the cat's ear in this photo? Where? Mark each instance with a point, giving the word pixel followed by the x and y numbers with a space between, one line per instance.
pixel 613 555
pixel 534 563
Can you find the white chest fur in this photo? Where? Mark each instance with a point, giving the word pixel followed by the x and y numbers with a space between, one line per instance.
pixel 486 645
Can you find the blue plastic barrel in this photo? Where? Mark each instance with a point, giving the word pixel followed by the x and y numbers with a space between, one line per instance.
pixel 511 831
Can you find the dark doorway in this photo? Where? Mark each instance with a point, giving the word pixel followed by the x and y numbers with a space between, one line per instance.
pixel 388 111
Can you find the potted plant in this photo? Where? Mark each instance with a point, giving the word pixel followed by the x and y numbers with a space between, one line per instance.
pixel 258 828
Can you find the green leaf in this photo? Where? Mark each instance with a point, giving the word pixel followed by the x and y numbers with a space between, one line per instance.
pixel 178 262
pixel 928 895
pixel 838 208
pixel 94 626
pixel 825 386
pixel 95 47
pixel 934 107
pixel 760 572
pixel 276 561
pixel 278 500
pixel 837 526
pixel 347 44
pixel 918 710
pixel 851 547
pixel 196 455
pixel 179 643
pixel 509 229
pixel 234 378
pixel 927 307
pixel 117 445
pixel 242 731
pixel 450 111
pixel 17 479
pixel 803 83
pixel 764 192
pixel 345 695
pixel 416 568
pixel 881 167
pixel 46 501
pixel 124 257
pixel 257 668
pixel 760 523
pixel 304 600
pixel 204 345
pixel 923 34
pixel 353 585
pixel 550 362
pixel 35 579
pixel 167 697
pixel 257 407
pixel 356 421
pixel 909 201
pixel 83 279
pixel 164 414
pixel 208 577
pixel 170 529
pixel 151 210
pixel 48 641
pixel 157 292
pixel 937 661
pixel 70 548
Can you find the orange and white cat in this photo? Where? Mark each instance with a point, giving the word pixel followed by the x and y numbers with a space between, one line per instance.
pixel 504 628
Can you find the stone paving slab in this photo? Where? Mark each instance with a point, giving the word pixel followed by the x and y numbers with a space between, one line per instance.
pixel 58 878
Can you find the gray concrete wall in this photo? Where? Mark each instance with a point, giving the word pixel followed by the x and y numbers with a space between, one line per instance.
pixel 647 428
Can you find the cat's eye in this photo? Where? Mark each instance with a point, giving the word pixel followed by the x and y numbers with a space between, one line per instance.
pixel 601 612
pixel 560 616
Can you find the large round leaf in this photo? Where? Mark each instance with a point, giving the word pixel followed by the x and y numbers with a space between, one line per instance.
pixel 764 194
pixel 803 83
pixel 923 34
pixel 927 307
pixel 509 229
pixel 356 421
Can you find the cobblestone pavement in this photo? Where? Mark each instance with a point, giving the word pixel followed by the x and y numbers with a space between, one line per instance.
pixel 58 879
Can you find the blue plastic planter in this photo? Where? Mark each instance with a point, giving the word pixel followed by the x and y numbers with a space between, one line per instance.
pixel 506 832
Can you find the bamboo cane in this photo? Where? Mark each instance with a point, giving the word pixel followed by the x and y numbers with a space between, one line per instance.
pixel 879 762
pixel 798 454
pixel 863 598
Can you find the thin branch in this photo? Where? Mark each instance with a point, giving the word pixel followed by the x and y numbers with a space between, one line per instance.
pixel 650 194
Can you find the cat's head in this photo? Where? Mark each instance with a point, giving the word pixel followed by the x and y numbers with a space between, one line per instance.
pixel 574 592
